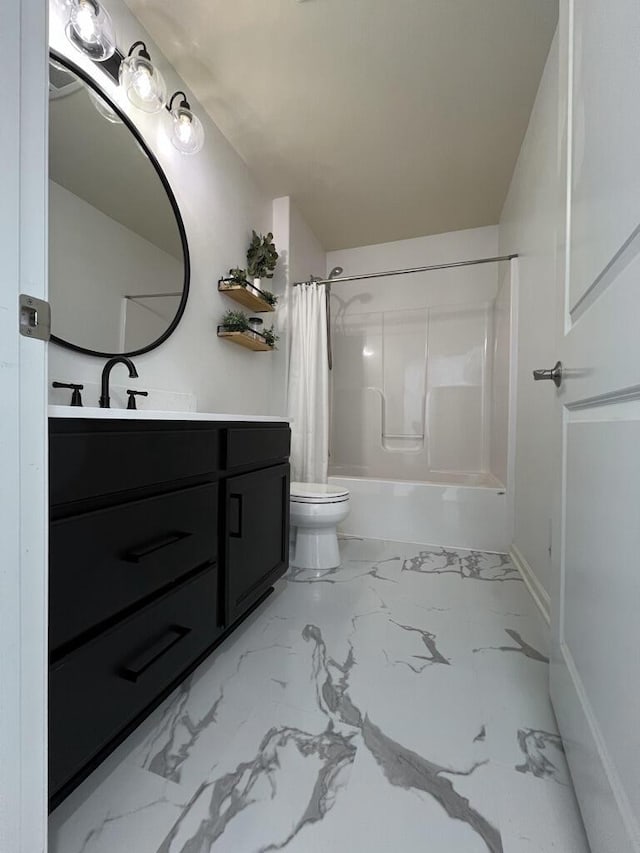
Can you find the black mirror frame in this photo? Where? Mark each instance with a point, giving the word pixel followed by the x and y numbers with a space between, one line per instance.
pixel 88 81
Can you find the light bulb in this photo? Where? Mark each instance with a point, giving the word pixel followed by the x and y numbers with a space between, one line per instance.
pixel 86 22
pixel 90 30
pixel 184 129
pixel 143 82
pixel 188 133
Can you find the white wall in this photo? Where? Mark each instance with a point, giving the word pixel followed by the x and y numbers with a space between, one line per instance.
pixel 421 251
pixel 528 226
pixel 426 341
pixel 93 262
pixel 146 319
pixel 220 204
pixel 307 255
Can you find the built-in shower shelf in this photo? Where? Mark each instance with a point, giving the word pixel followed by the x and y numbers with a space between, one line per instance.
pixel 246 294
pixel 251 340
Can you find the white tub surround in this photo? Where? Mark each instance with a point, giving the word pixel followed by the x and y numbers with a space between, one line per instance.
pixel 149 415
pixel 446 515
pixel 413 359
pixel 422 400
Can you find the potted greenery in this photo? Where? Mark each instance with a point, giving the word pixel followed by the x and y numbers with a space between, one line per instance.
pixel 235 321
pixel 262 258
pixel 270 336
pixel 238 321
pixel 269 298
pixel 238 276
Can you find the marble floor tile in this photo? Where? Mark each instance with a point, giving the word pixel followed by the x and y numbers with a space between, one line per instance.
pixel 381 812
pixel 398 702
pixel 128 809
pixel 536 815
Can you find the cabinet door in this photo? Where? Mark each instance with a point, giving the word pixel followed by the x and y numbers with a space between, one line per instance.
pixel 257 536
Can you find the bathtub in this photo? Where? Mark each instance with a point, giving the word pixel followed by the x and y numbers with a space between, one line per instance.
pixel 455 511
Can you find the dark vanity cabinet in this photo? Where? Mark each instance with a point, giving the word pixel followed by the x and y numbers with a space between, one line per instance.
pixel 163 536
pixel 257 535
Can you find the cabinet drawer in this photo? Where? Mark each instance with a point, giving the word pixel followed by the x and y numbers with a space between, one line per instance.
pixel 90 463
pixel 102 562
pixel 102 687
pixel 249 446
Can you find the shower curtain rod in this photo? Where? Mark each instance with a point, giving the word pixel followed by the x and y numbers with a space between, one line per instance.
pixel 406 272
pixel 151 295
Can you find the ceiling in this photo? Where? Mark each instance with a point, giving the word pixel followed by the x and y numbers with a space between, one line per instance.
pixel 383 119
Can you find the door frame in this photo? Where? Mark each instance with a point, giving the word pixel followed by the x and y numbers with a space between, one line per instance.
pixel 23 430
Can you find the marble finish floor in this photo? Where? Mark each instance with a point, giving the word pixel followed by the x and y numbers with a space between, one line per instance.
pixel 398 703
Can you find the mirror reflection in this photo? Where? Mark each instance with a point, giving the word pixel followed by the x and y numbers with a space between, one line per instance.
pixel 116 258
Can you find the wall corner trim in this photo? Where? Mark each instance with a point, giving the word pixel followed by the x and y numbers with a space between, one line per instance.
pixel 538 592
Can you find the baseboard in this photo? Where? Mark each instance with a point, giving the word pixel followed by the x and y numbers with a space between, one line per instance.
pixel 538 592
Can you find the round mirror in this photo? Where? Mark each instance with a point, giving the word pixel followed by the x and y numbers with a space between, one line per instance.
pixel 118 257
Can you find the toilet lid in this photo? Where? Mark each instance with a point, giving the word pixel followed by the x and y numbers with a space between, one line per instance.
pixel 317 493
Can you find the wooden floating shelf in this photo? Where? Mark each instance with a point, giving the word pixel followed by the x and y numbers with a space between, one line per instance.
pixel 251 340
pixel 245 294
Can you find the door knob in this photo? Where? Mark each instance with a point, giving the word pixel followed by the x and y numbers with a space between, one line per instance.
pixel 555 374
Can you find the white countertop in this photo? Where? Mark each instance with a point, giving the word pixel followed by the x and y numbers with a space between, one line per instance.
pixel 150 415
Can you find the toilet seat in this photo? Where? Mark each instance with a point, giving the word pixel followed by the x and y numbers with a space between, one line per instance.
pixel 317 493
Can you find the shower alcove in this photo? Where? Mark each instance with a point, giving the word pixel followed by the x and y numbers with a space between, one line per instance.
pixel 420 404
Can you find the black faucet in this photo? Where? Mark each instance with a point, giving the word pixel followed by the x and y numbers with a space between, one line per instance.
pixel 132 397
pixel 105 402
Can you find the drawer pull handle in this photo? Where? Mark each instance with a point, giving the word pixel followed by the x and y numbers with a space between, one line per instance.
pixel 235 519
pixel 140 664
pixel 137 555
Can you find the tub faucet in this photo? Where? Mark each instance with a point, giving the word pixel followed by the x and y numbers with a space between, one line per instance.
pixel 105 402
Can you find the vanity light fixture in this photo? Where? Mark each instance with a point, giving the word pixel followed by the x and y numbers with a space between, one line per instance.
pixel 144 84
pixel 90 30
pixel 187 134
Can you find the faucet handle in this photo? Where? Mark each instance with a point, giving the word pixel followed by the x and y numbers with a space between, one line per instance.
pixel 76 397
pixel 132 397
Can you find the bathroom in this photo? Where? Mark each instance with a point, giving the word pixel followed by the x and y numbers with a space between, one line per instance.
pixel 300 554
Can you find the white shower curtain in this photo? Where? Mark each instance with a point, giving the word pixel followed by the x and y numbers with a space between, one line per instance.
pixel 308 392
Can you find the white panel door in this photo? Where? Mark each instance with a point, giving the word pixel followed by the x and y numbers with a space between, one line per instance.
pixel 23 429
pixel 595 674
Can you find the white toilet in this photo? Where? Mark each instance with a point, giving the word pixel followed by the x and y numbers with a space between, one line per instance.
pixel 316 511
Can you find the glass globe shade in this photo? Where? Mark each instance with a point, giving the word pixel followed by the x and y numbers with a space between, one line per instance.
pixel 143 83
pixel 89 29
pixel 105 110
pixel 187 134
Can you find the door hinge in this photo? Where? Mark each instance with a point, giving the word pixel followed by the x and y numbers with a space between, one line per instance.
pixel 35 318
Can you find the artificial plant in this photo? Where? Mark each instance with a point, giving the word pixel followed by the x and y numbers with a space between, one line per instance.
pixel 238 276
pixel 261 256
pixel 270 336
pixel 235 321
